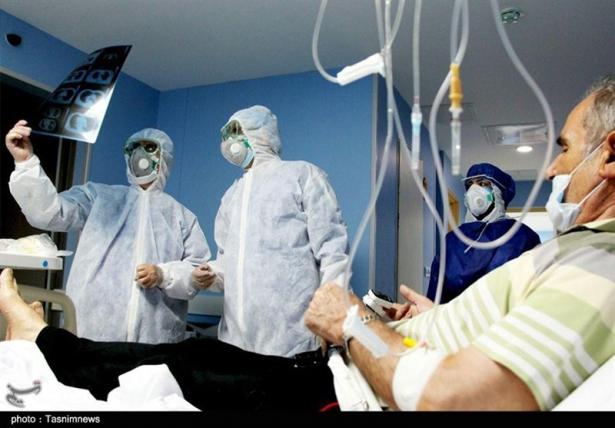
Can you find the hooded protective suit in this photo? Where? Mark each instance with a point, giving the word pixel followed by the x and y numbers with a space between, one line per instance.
pixel 121 228
pixel 464 264
pixel 280 235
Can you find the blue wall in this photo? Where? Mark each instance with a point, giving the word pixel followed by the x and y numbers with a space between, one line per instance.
pixel 523 191
pixel 322 123
pixel 40 56
pixel 44 59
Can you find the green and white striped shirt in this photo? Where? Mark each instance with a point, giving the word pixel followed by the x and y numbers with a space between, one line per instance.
pixel 548 316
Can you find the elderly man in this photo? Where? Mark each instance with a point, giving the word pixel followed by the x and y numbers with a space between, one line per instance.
pixel 527 334
pixel 522 337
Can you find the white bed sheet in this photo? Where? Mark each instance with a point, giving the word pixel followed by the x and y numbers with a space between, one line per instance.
pixel 596 393
pixel 23 367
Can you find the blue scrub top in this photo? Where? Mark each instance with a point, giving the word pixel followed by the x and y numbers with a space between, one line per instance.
pixel 464 268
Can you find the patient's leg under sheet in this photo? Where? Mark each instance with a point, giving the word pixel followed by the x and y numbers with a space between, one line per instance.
pixel 212 375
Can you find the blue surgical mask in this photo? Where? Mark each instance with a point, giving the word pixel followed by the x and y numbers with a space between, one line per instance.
pixel 564 214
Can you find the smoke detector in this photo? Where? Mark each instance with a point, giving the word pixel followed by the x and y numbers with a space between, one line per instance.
pixel 511 15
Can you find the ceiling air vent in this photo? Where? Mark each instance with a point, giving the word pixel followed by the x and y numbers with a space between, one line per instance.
pixel 516 135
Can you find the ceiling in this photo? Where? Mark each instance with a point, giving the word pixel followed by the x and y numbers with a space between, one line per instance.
pixel 564 44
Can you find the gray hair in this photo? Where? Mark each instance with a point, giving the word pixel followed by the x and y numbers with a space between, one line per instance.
pixel 599 118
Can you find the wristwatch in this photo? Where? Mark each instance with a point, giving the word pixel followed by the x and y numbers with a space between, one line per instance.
pixel 366 319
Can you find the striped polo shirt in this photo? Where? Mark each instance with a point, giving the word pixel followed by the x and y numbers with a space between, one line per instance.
pixel 548 316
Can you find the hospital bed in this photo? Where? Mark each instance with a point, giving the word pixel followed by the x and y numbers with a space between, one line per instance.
pixel 204 310
pixel 597 393
pixel 56 298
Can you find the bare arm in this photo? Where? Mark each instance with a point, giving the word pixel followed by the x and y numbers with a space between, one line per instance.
pixel 463 381
pixel 379 372
pixel 469 380
pixel 325 317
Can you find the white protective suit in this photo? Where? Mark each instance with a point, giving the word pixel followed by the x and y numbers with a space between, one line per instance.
pixel 121 228
pixel 280 235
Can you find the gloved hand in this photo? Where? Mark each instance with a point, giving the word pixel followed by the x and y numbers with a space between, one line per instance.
pixel 416 304
pixel 148 275
pixel 203 276
pixel 18 141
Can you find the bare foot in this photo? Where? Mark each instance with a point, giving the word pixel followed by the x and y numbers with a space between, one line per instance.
pixel 38 308
pixel 24 321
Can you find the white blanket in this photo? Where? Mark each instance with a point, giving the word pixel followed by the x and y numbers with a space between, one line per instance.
pixel 27 383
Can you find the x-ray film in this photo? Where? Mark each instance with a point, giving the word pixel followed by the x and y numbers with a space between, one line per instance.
pixel 77 107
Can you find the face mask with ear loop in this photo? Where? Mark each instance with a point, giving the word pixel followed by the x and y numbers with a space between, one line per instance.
pixel 564 214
